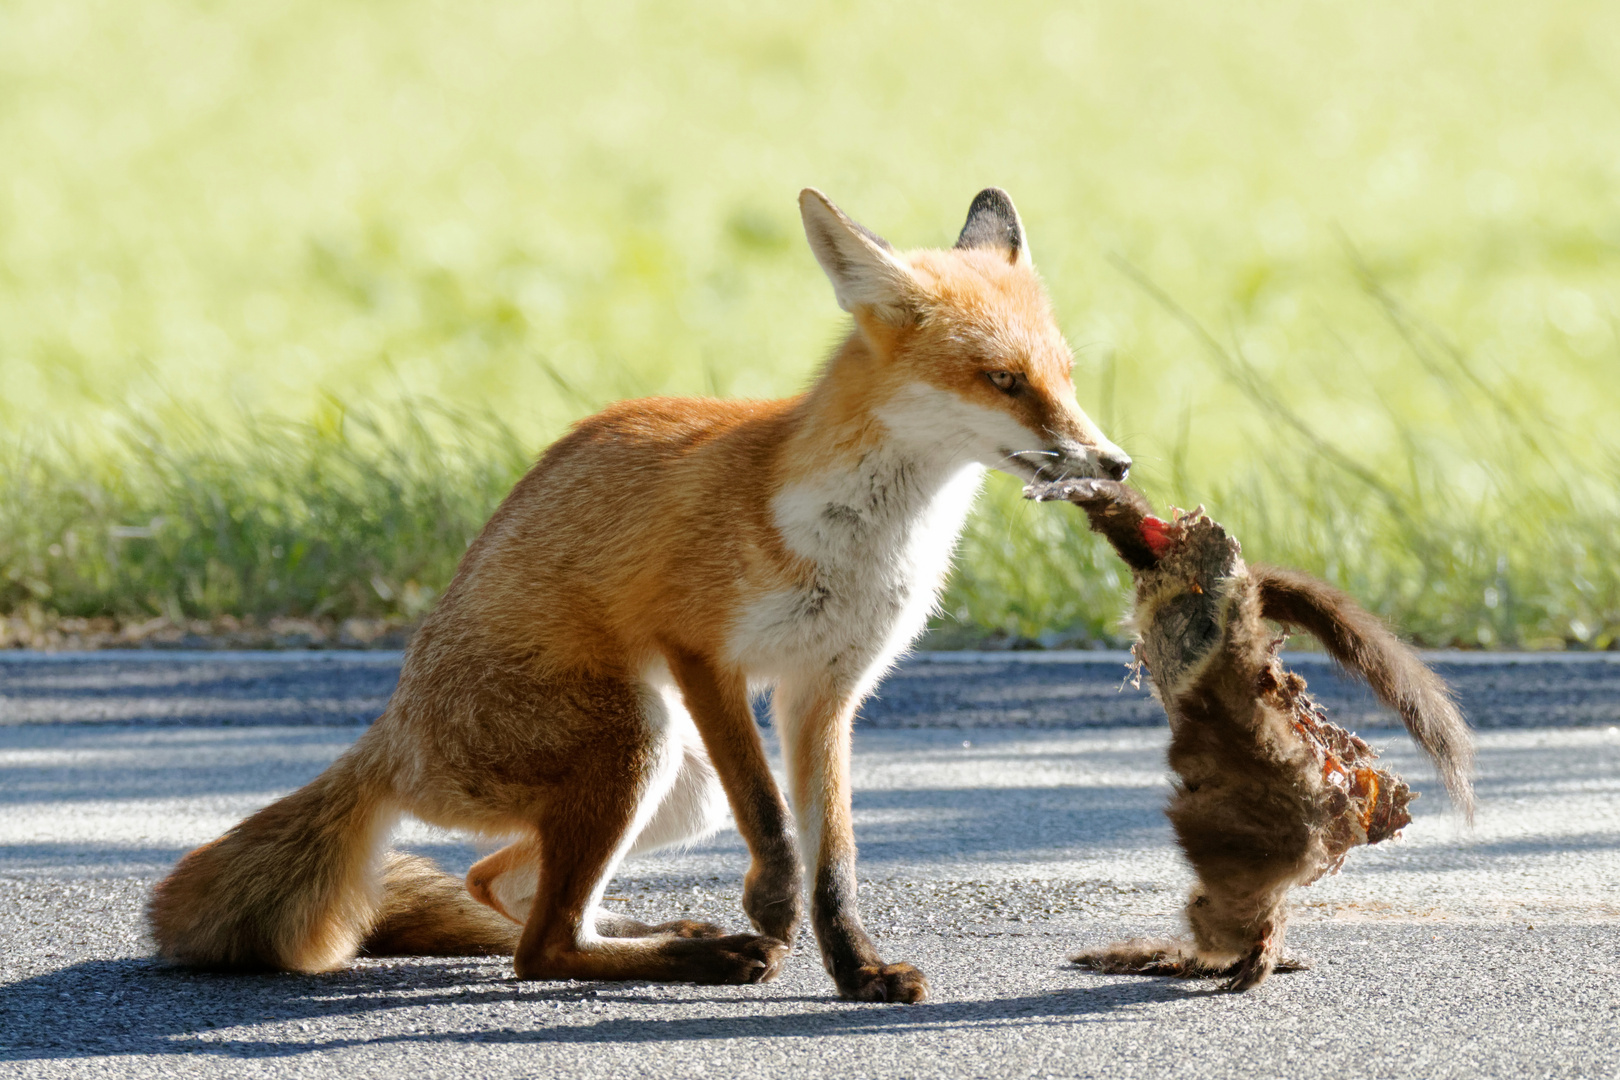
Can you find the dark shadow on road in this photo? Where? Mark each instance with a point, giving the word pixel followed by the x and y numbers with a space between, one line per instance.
pixel 143 1006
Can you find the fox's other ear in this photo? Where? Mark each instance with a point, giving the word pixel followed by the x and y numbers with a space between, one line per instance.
pixel 993 224
pixel 860 264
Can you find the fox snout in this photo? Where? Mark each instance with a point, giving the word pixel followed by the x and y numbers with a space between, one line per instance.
pixel 1115 463
pixel 1079 448
pixel 1106 462
pixel 1071 461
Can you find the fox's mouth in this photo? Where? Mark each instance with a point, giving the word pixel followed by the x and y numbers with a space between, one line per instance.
pixel 1048 465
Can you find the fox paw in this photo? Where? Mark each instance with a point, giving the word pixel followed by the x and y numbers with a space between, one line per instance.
pixel 886 982
pixel 733 959
pixel 773 903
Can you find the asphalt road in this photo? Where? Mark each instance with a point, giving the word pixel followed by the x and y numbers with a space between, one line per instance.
pixel 1055 690
pixel 1008 811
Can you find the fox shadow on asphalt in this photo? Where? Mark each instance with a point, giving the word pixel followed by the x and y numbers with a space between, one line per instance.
pixel 142 1006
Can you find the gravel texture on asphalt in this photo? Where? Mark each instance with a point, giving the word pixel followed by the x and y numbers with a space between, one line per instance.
pixel 987 854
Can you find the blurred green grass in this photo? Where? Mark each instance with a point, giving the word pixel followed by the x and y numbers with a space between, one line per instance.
pixel 318 278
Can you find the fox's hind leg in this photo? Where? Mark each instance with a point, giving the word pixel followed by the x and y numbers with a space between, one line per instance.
pixel 587 824
pixel 506 880
pixel 692 808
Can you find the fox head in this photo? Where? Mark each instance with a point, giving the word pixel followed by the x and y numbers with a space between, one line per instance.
pixel 960 346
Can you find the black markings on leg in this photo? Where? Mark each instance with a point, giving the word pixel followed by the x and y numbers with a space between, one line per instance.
pixel 848 954
pixel 844 944
pixel 772 891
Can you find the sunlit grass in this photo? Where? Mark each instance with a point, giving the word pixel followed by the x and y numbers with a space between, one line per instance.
pixel 1348 275
pixel 248 516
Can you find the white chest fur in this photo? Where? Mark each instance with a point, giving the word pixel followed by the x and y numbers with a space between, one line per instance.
pixel 879 535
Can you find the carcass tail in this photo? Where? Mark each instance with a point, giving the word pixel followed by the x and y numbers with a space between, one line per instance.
pixel 1361 644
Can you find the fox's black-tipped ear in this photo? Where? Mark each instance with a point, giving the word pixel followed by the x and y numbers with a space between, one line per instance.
pixel 993 224
pixel 865 273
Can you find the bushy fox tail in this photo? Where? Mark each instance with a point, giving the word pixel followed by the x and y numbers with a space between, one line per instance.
pixel 303 885
pixel 426 912
pixel 1361 644
pixel 294 887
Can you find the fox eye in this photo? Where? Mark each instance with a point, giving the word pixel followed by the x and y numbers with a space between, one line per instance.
pixel 1008 382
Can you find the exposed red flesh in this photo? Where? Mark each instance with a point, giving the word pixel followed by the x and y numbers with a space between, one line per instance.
pixel 1156 535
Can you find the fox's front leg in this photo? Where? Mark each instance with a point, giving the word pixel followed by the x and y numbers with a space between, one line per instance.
pixel 814 723
pixel 718 701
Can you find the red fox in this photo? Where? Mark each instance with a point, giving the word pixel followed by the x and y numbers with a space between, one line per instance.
pixel 583 685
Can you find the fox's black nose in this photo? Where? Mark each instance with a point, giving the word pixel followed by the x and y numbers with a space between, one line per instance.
pixel 1114 465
